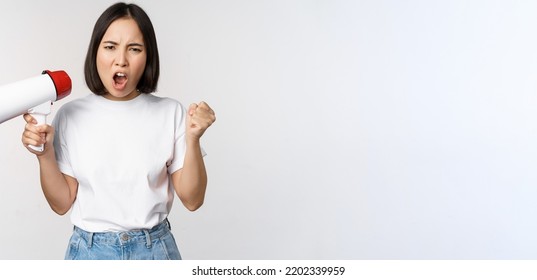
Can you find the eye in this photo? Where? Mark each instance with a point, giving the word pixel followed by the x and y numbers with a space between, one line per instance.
pixel 136 50
pixel 109 47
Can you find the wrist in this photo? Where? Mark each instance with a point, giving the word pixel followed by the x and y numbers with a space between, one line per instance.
pixel 48 154
pixel 192 139
pixel 193 143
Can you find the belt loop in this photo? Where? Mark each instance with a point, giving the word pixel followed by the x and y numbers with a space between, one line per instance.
pixel 90 239
pixel 147 239
pixel 168 223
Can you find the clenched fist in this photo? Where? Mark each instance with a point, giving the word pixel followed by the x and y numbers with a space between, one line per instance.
pixel 200 117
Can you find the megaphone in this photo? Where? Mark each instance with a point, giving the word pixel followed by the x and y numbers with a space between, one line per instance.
pixel 34 96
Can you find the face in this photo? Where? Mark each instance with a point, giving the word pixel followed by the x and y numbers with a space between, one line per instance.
pixel 121 59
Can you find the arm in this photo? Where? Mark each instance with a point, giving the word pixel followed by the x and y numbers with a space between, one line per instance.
pixel 59 189
pixel 190 182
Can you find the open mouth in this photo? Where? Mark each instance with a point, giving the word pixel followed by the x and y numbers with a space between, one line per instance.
pixel 120 80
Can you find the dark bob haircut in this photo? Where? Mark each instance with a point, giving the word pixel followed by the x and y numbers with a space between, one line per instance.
pixel 148 81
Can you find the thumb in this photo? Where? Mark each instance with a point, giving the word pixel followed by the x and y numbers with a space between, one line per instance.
pixel 192 109
pixel 46 128
pixel 47 131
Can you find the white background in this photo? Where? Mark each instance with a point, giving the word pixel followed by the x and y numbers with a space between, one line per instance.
pixel 345 130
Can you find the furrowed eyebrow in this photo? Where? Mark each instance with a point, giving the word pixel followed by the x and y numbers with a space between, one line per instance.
pixel 129 45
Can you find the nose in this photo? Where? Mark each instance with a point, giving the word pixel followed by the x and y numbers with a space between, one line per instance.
pixel 121 59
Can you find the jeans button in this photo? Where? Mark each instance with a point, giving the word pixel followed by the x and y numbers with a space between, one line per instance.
pixel 124 237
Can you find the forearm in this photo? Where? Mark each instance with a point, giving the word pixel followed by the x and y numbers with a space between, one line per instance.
pixel 54 184
pixel 190 186
pixel 190 182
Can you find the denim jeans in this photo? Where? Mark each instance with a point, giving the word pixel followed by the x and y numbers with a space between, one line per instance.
pixel 157 243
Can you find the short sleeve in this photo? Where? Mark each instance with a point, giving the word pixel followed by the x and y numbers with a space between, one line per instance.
pixel 60 144
pixel 179 149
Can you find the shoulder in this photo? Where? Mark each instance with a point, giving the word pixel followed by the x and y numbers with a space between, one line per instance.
pixel 79 102
pixel 161 100
pixel 167 108
pixel 163 103
pixel 74 106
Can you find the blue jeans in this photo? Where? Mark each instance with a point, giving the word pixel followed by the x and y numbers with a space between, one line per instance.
pixel 157 243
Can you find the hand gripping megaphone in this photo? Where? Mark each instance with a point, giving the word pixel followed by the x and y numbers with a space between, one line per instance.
pixel 35 96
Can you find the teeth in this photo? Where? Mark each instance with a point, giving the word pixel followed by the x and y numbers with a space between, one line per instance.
pixel 120 75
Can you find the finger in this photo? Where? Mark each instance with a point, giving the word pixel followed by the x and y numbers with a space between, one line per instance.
pixel 44 128
pixel 203 114
pixel 32 142
pixel 202 120
pixel 30 138
pixel 38 132
pixel 192 108
pixel 205 106
pixel 32 127
pixel 38 129
pixel 29 119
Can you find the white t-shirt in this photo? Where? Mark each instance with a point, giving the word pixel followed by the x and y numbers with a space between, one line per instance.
pixel 121 153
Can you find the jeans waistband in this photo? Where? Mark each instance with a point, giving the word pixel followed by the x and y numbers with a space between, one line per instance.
pixel 125 237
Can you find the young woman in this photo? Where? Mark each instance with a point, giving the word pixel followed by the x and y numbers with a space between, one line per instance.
pixel 116 157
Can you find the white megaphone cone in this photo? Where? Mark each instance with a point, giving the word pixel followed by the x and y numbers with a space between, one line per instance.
pixel 35 96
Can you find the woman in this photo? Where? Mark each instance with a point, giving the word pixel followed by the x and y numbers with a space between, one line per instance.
pixel 115 157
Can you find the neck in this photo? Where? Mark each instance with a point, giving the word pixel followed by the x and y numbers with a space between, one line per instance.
pixel 127 97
